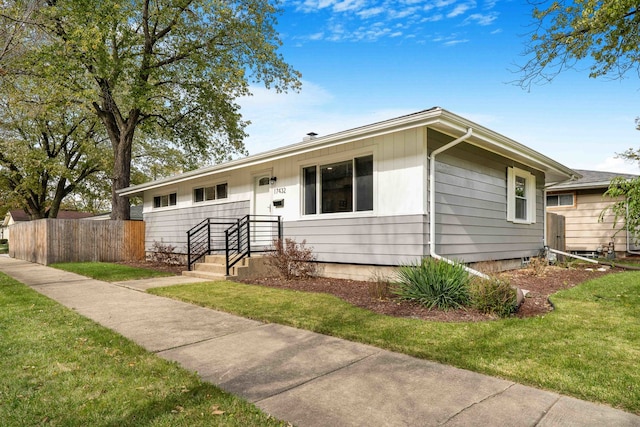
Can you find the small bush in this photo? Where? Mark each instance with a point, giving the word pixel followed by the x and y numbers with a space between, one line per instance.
pixel 291 259
pixel 434 284
pixel 537 265
pixel 164 253
pixel 4 241
pixel 494 296
pixel 379 286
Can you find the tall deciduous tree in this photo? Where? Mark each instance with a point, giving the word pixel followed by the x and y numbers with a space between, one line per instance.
pixel 170 69
pixel 601 34
pixel 47 149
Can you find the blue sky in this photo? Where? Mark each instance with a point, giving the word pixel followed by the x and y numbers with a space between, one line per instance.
pixel 367 60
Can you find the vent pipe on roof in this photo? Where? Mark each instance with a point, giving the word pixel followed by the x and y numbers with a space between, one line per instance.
pixel 310 136
pixel 432 202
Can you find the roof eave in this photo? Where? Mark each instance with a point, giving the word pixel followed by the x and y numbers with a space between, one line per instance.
pixel 437 118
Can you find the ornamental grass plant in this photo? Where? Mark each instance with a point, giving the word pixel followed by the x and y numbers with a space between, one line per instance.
pixel 494 296
pixel 434 284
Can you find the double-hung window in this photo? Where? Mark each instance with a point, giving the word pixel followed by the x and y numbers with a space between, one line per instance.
pixel 338 187
pixel 165 200
pixel 214 192
pixel 521 196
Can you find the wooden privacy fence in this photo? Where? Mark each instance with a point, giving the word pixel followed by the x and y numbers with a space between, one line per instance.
pixel 556 238
pixel 47 241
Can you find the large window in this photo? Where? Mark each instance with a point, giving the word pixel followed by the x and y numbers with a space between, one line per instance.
pixel 521 196
pixel 165 200
pixel 343 187
pixel 215 192
pixel 560 200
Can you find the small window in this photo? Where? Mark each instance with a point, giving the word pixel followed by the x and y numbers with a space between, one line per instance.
pixel 560 200
pixel 165 200
pixel 521 196
pixel 214 192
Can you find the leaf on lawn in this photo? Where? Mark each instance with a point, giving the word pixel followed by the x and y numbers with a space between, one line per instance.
pixel 215 410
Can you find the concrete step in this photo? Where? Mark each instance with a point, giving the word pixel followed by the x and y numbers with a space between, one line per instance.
pixel 210 267
pixel 205 275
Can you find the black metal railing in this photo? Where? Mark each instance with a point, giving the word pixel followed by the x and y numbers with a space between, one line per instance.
pixel 235 238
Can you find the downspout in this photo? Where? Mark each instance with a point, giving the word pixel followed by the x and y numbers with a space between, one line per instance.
pixel 432 203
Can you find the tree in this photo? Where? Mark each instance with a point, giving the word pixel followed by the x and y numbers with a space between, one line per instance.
pixel 47 150
pixel 603 33
pixel 167 69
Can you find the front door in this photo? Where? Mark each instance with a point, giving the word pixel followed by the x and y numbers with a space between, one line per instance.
pixel 261 232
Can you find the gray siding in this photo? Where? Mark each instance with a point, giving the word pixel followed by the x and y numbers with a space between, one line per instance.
pixel 471 206
pixel 171 226
pixel 368 240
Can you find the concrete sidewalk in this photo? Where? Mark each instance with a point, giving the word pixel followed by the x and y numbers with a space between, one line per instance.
pixel 306 378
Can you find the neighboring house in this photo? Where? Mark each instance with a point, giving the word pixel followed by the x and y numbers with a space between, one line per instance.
pixel 363 196
pixel 19 215
pixel 581 202
pixel 135 214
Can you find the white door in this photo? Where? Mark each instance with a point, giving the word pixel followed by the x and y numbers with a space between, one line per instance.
pixel 261 232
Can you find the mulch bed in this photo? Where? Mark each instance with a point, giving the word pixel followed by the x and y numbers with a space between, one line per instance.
pixel 540 284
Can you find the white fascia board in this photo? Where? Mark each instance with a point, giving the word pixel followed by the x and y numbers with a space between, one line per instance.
pixel 436 118
pixel 506 147
pixel 423 118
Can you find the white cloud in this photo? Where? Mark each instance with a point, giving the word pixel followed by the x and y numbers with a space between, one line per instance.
pixel 481 19
pixel 282 119
pixel 615 164
pixel 348 5
pixel 461 9
pixel 368 13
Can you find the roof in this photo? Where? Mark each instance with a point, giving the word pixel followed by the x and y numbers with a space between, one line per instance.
pixel 20 215
pixel 435 118
pixel 590 179
pixel 135 214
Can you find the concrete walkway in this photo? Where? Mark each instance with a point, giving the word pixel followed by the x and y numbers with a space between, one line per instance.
pixel 306 378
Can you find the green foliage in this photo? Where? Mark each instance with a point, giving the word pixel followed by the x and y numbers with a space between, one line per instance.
pixel 434 283
pixel 604 34
pixel 48 149
pixel 292 259
pixel 628 193
pixel 165 70
pixel 494 296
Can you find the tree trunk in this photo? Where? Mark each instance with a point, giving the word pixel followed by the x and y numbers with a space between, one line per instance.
pixel 120 207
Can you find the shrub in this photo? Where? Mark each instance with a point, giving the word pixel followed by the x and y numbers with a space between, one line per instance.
pixel 433 284
pixel 494 296
pixel 164 253
pixel 291 259
pixel 379 286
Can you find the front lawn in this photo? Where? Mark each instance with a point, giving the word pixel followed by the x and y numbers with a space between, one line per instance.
pixel 109 272
pixel 61 369
pixel 588 347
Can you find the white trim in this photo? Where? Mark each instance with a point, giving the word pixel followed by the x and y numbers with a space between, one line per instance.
pixel 530 195
pixel 436 118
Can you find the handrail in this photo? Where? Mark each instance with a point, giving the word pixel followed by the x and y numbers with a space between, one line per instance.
pixel 237 238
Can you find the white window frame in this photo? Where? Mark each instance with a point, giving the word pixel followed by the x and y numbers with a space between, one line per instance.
pixel 318 187
pixel 530 195
pixel 168 196
pixel 204 192
pixel 558 195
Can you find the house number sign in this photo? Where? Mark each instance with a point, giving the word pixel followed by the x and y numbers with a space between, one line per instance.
pixel 280 190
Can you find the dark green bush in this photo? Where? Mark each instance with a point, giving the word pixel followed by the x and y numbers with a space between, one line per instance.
pixel 434 284
pixel 494 296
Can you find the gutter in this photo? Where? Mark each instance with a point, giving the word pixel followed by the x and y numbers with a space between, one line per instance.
pixel 432 203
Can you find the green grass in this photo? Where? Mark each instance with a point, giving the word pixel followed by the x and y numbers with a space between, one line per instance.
pixel 109 272
pixel 588 347
pixel 61 369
